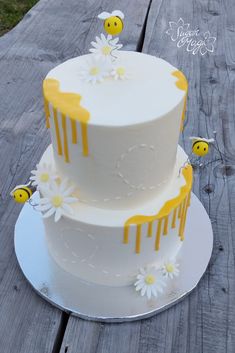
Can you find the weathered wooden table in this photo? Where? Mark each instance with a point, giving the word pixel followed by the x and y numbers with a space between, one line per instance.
pixel 53 31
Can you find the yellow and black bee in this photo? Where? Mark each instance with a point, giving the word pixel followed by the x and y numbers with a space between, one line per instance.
pixel 113 22
pixel 22 193
pixel 200 145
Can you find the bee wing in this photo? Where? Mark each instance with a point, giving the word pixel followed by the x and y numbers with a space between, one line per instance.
pixel 104 15
pixel 15 188
pixel 194 138
pixel 19 187
pixel 210 140
pixel 118 13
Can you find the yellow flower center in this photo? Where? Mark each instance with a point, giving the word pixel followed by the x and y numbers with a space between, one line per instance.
pixel 121 71
pixel 149 279
pixel 57 201
pixel 44 177
pixel 169 268
pixel 106 50
pixel 94 71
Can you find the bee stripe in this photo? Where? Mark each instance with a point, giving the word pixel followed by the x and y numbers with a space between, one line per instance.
pixel 200 141
pixel 29 193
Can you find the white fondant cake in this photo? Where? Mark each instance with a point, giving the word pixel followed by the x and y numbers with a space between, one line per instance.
pixel 125 202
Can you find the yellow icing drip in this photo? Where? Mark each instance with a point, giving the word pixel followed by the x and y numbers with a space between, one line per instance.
pixel 179 211
pixel 173 218
pixel 183 219
pixel 164 212
pixel 165 229
pixel 150 229
pixel 69 105
pixel 138 239
pixel 182 84
pixel 64 127
pixel 47 113
pixel 158 234
pixel 84 139
pixel 57 132
pixel 74 131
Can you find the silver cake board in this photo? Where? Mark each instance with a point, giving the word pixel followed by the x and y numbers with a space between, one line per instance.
pixel 103 303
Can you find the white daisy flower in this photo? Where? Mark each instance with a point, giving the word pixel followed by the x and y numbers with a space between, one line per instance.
pixel 119 72
pixel 57 199
pixel 105 47
pixel 42 175
pixel 95 70
pixel 149 282
pixel 170 269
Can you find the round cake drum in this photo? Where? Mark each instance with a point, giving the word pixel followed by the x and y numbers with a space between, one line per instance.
pixel 103 303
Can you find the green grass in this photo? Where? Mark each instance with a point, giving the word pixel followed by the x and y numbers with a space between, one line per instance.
pixel 12 11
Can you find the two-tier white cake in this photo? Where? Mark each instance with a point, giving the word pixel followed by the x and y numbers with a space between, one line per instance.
pixel 115 160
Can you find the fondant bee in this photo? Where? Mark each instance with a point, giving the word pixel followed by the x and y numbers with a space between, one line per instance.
pixel 200 146
pixel 113 22
pixel 22 193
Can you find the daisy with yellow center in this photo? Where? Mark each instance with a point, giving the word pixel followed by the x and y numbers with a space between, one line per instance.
pixel 170 269
pixel 149 282
pixel 119 72
pixel 42 175
pixel 57 199
pixel 105 47
pixel 95 70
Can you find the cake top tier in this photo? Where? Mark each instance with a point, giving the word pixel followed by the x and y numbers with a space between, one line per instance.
pixel 140 88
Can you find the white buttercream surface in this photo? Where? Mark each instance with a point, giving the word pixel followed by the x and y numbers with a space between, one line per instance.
pixel 123 102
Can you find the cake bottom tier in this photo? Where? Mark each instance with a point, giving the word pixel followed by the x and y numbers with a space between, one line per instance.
pixel 108 247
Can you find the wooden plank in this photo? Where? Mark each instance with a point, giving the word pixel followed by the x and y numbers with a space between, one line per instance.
pixel 51 32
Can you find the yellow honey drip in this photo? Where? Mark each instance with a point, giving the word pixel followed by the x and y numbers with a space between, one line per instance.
pixel 64 127
pixel 165 229
pixel 74 131
pixel 168 207
pixel 150 229
pixel 68 104
pixel 174 218
pixel 57 132
pixel 182 84
pixel 158 234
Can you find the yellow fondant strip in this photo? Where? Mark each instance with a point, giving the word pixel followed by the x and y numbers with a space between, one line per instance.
pixel 64 127
pixel 74 131
pixel 69 105
pixel 138 239
pixel 168 207
pixel 150 229
pixel 57 132
pixel 158 234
